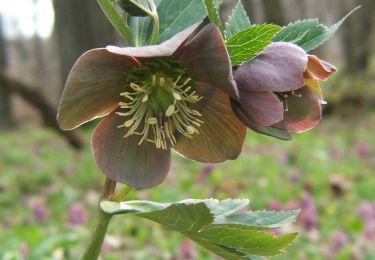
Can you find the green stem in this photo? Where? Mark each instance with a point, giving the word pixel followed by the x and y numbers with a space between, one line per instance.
pixel 121 194
pixel 155 19
pixel 94 246
pixel 155 29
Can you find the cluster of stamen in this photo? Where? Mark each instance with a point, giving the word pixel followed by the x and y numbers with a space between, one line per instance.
pixel 158 106
pixel 284 96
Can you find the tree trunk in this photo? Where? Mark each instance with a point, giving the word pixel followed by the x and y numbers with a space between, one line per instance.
pixel 274 11
pixel 80 26
pixel 249 8
pixel 357 37
pixel 6 118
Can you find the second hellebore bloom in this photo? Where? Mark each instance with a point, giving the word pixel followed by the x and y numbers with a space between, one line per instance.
pixel 279 91
pixel 173 95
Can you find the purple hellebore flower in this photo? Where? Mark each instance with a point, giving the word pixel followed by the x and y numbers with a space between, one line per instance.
pixel 309 214
pixel 279 91
pixel 339 240
pixel 366 211
pixel 77 214
pixel 154 98
pixel 40 212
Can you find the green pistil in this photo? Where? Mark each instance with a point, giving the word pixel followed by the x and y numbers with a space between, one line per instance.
pixel 158 105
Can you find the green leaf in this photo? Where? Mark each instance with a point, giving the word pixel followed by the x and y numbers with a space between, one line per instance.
pixel 309 34
pixel 213 11
pixel 216 225
pixel 141 28
pixel 116 20
pixel 238 21
pixel 136 7
pixel 177 15
pixel 140 14
pixel 245 45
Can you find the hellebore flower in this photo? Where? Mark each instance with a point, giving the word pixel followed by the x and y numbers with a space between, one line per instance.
pixel 154 98
pixel 279 90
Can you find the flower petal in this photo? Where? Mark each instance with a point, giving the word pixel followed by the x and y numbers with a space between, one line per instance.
pixel 320 69
pixel 206 58
pixel 304 113
pixel 123 160
pixel 278 130
pixel 93 87
pixel 222 134
pixel 278 69
pixel 313 85
pixel 261 108
pixel 164 49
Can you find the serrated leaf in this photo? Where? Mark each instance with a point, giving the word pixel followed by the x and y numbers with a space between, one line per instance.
pixel 238 21
pixel 177 15
pixel 213 12
pixel 245 45
pixel 216 225
pixel 135 7
pixel 309 34
pixel 116 20
pixel 260 219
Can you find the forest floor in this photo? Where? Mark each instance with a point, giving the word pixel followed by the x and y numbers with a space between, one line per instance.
pixel 49 194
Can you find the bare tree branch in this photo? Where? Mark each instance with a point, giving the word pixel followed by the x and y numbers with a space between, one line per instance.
pixel 36 99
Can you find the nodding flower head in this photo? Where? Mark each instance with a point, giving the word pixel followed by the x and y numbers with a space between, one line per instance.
pixel 279 90
pixel 154 98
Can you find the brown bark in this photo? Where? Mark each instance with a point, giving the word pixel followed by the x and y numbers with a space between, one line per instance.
pixel 274 12
pixel 358 41
pixel 36 99
pixel 6 116
pixel 79 26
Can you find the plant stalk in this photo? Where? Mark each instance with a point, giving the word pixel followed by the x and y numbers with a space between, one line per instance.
pixel 94 246
pixel 155 29
pixel 155 19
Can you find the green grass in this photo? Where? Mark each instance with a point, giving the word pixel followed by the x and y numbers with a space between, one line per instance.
pixel 38 170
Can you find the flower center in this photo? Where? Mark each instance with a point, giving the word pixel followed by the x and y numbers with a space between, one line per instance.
pixel 157 101
pixel 284 97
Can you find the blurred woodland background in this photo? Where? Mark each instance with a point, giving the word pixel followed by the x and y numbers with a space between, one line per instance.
pixel 35 59
pixel 328 172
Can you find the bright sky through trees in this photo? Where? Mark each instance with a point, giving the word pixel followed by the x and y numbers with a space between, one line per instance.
pixel 27 18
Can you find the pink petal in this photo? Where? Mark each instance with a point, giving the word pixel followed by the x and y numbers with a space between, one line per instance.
pixel 313 85
pixel 206 58
pixel 320 69
pixel 164 49
pixel 279 68
pixel 261 108
pixel 222 134
pixel 123 160
pixel 278 130
pixel 93 87
pixel 304 113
